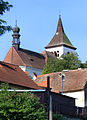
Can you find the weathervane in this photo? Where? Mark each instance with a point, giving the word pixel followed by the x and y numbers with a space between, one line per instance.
pixel 16 23
pixel 59 14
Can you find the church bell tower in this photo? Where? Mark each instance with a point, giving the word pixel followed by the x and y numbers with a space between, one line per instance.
pixel 16 37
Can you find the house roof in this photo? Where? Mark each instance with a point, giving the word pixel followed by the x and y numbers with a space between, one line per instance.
pixel 14 75
pixel 60 38
pixel 48 54
pixel 23 57
pixel 75 80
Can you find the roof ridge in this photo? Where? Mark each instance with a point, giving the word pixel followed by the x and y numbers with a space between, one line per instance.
pixel 19 56
pixel 6 65
pixel 60 72
pixel 31 51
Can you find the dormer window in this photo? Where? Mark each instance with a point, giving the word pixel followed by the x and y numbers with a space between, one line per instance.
pixel 57 33
pixel 63 77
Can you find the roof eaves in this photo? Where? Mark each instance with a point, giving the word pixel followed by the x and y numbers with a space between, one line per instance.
pixel 68 91
pixel 61 44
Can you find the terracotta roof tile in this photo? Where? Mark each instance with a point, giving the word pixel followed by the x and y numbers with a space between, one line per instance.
pixel 13 57
pixel 75 80
pixel 23 57
pixel 14 75
pixel 43 84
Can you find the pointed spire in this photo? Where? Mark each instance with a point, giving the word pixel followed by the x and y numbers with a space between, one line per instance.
pixel 60 26
pixel 60 38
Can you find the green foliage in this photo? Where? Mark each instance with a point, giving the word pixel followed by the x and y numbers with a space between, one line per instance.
pixel 57 117
pixel 49 67
pixel 68 61
pixel 71 61
pixel 20 106
pixel 84 65
pixel 4 6
pixel 84 117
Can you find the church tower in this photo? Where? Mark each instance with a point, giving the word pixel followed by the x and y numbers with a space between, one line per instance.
pixel 60 43
pixel 16 37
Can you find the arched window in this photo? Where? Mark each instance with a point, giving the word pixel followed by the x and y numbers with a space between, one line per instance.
pixel 55 53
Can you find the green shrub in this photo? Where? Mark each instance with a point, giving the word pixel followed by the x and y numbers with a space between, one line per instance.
pixel 20 106
pixel 58 117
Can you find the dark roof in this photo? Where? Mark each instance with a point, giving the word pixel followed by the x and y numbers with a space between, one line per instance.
pixel 31 58
pixel 48 54
pixel 14 75
pixel 60 38
pixel 23 57
pixel 75 80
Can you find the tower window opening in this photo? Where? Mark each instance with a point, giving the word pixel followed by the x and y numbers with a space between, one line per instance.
pixel 63 77
pixel 55 53
pixel 68 52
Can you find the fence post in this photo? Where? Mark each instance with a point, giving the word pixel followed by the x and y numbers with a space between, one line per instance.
pixel 49 99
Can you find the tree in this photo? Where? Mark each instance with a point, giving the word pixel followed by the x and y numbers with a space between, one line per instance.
pixel 4 6
pixel 20 106
pixel 71 61
pixel 84 65
pixel 67 61
pixel 49 67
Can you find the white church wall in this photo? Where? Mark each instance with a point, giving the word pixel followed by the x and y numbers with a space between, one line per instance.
pixel 56 49
pixel 80 98
pixel 23 68
pixel 60 50
pixel 31 70
pixel 66 50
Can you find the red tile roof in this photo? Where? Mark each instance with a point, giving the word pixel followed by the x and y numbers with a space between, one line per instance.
pixel 23 57
pixel 60 38
pixel 14 75
pixel 42 84
pixel 75 80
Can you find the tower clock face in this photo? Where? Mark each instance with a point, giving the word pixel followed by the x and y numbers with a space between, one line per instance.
pixel 16 41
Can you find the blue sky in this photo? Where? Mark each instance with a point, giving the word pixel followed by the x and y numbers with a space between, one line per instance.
pixel 38 21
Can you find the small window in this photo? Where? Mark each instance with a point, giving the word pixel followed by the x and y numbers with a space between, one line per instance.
pixel 57 33
pixel 63 77
pixel 31 59
pixel 68 52
pixel 55 53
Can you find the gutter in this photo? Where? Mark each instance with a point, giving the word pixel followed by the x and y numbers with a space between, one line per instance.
pixel 13 90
